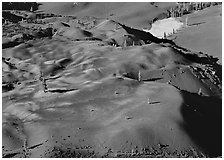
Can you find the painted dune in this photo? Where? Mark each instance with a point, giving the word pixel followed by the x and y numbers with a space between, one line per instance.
pixel 202 30
pixel 95 87
pixel 138 15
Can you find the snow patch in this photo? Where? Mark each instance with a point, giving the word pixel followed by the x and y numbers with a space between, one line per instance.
pixel 166 26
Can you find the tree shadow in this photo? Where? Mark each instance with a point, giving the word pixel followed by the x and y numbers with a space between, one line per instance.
pixel 203 121
pixel 196 24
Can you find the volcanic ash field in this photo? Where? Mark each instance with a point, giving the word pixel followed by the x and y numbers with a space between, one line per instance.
pixel 95 87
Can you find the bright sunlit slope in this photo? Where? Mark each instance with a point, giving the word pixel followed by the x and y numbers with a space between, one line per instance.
pixel 137 15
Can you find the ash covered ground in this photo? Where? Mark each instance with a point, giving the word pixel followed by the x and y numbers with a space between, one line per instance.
pixel 85 80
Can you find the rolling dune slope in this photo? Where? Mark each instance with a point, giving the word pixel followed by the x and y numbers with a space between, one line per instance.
pixel 203 32
pixel 138 15
pixel 95 87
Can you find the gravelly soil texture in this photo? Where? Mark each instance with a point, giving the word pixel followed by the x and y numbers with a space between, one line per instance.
pixel 94 87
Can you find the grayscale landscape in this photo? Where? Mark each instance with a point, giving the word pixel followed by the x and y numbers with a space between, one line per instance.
pixel 111 79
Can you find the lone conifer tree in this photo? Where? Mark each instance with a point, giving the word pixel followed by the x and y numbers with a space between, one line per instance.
pixel 164 36
pixel 31 9
pixel 139 76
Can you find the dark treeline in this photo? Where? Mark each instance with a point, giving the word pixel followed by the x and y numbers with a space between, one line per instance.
pixel 188 7
pixel 28 6
pixel 11 17
pixel 185 8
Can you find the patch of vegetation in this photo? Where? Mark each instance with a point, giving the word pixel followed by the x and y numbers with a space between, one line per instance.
pixel 150 152
pixel 20 6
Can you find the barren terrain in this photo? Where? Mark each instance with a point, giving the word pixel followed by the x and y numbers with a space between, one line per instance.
pixel 95 86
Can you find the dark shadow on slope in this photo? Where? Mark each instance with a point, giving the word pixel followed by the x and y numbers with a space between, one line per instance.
pixel 7 87
pixel 11 17
pixel 10 65
pixel 61 90
pixel 151 79
pixel 201 59
pixel 40 33
pixel 10 44
pixel 10 155
pixel 65 24
pixel 198 58
pixel 196 24
pixel 145 36
pixel 203 121
pixel 148 38
pixel 134 76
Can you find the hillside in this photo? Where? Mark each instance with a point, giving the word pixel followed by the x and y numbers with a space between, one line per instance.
pixel 86 86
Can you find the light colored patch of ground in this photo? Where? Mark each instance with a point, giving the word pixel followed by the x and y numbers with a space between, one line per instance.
pixel 166 26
